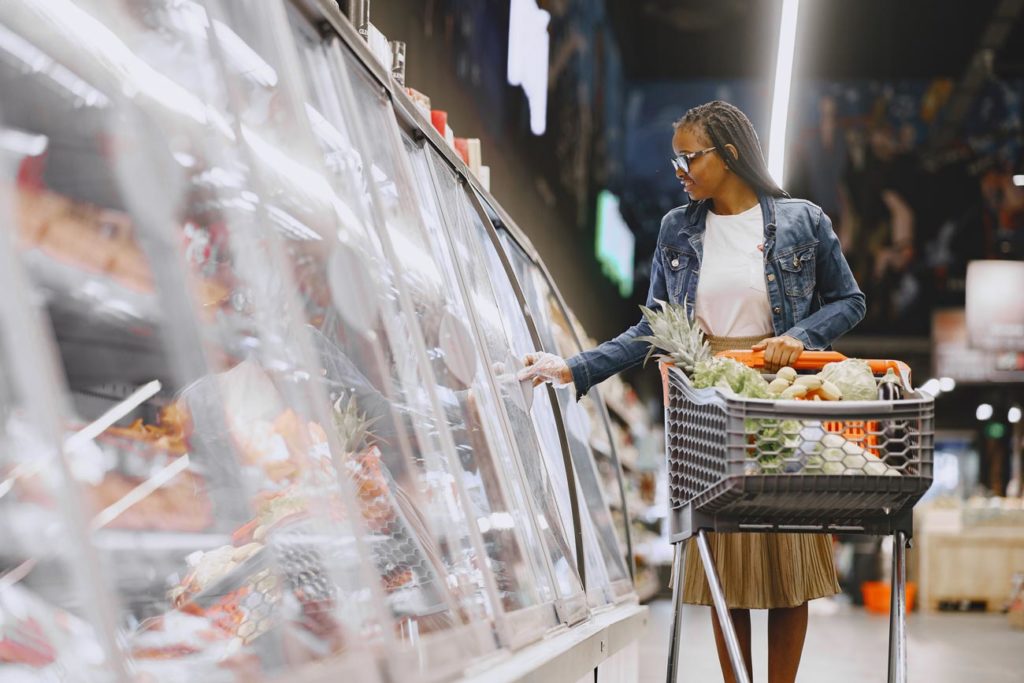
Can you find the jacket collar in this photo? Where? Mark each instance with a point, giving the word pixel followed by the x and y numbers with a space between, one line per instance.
pixel 695 223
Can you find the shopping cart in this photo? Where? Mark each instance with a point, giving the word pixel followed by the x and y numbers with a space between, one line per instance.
pixel 739 464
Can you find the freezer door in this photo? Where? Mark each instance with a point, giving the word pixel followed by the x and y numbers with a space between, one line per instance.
pixel 604 557
pixel 474 438
pixel 502 329
pixel 220 494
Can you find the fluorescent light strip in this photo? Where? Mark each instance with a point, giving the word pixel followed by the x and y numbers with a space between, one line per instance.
pixel 192 18
pixel 164 475
pixel 780 95
pixel 74 24
pixel 291 226
pixel 1018 180
pixel 101 424
pixel 39 62
pixel 17 574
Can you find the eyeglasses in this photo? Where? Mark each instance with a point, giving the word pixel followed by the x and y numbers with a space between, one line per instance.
pixel 681 162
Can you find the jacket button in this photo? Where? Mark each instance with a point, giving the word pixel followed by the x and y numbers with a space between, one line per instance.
pixel 776 310
pixel 771 277
pixel 675 263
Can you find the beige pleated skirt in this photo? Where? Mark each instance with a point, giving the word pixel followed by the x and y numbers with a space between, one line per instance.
pixel 761 571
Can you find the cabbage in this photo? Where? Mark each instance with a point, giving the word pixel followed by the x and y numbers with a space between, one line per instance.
pixel 772 443
pixel 726 373
pixel 853 377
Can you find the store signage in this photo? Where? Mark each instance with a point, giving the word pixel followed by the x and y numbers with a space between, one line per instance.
pixel 995 306
pixel 528 47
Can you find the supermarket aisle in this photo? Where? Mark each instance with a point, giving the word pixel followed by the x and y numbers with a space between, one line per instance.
pixel 846 644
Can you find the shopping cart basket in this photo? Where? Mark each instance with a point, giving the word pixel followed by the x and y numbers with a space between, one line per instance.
pixel 740 464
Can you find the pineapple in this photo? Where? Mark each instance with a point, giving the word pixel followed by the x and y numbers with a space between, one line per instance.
pixel 352 426
pixel 677 335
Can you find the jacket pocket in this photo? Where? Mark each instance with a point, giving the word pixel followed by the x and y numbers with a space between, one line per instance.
pixel 799 271
pixel 677 265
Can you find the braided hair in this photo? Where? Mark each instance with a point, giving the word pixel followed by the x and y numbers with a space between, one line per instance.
pixel 724 124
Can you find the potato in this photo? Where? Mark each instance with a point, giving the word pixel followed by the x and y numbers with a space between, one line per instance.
pixel 787 373
pixel 830 391
pixel 777 385
pixel 795 391
pixel 809 381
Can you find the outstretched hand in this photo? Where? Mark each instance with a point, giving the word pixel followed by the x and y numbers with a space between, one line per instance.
pixel 545 367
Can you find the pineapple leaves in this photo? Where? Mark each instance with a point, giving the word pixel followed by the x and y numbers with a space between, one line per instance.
pixel 673 332
pixel 353 427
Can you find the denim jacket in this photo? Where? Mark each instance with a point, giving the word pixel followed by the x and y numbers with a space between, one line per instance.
pixel 811 289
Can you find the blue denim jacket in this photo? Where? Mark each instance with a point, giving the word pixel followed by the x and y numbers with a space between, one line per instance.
pixel 811 289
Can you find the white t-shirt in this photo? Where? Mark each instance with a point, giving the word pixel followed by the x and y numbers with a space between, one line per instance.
pixel 732 298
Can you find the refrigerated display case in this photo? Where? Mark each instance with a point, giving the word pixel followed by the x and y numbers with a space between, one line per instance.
pixel 52 618
pixel 482 456
pixel 279 435
pixel 214 501
pixel 553 329
pixel 502 330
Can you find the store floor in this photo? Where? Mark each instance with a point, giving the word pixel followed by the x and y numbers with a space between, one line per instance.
pixel 848 644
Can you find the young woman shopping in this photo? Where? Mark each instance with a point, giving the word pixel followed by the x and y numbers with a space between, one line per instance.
pixel 756 269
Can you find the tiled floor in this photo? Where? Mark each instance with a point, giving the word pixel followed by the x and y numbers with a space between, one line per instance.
pixel 847 644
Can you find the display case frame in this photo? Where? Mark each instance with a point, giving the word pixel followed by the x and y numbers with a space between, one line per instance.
pixel 549 624
pixel 522 626
pixel 571 609
pixel 326 15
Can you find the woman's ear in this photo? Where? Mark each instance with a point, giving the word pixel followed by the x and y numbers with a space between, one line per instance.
pixel 731 149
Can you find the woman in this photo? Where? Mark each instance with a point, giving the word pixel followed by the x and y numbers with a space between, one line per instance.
pixel 757 269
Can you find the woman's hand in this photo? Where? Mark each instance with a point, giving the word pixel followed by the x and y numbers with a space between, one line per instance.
pixel 779 351
pixel 545 367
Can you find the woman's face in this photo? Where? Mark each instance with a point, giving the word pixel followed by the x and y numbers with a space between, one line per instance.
pixel 707 171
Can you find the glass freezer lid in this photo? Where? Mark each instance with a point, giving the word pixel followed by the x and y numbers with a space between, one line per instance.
pixel 52 617
pixel 543 305
pixel 217 500
pixel 518 560
pixel 505 338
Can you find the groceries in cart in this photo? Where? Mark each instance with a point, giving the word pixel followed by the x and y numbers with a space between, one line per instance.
pixel 792 444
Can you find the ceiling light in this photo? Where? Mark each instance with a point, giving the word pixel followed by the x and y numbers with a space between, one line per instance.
pixel 947 383
pixel 1018 180
pixel 21 142
pixel 932 386
pixel 780 95
pixel 1013 416
pixel 984 412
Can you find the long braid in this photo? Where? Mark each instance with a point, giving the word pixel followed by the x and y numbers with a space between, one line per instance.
pixel 725 124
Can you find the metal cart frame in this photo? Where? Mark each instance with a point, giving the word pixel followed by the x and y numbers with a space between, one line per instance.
pixel 715 485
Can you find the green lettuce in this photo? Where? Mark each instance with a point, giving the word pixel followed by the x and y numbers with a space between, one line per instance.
pixel 772 443
pixel 726 373
pixel 853 377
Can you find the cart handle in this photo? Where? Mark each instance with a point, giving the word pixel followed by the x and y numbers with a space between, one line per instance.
pixel 816 360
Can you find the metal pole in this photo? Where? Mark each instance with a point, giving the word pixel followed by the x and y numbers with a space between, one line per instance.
pixel 898 611
pixel 732 643
pixel 675 635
